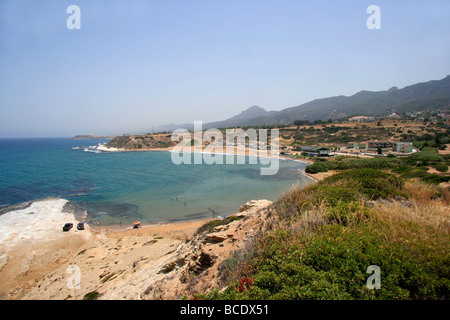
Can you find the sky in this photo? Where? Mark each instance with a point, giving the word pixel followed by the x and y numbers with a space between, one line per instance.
pixel 134 64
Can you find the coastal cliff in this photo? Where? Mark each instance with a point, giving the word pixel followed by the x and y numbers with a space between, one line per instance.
pixel 141 142
pixel 89 137
pixel 154 262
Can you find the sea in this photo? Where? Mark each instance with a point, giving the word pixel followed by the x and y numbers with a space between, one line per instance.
pixel 122 187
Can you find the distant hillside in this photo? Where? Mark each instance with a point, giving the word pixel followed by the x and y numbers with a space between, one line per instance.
pixel 433 94
pixel 246 115
pixel 251 113
pixel 89 137
pixel 141 142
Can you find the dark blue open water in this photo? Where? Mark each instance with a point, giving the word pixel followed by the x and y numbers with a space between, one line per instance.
pixel 128 186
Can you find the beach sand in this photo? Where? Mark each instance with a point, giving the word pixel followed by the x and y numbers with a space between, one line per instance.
pixel 32 242
pixel 118 263
pixel 210 149
pixel 147 263
pixel 33 247
pixel 321 175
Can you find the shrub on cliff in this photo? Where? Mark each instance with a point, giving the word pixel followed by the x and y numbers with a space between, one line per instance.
pixel 316 168
pixel 333 263
pixel 351 163
pixel 208 226
pixel 441 167
pixel 326 238
pixel 371 183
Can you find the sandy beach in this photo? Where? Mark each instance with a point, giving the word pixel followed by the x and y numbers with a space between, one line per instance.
pixel 224 151
pixel 40 261
pixel 33 245
pixel 236 151
pixel 32 242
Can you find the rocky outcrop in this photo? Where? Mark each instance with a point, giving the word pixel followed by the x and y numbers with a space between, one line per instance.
pixel 137 264
pixel 89 137
pixel 141 142
pixel 204 257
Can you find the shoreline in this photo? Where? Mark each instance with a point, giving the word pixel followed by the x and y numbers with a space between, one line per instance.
pixel 238 152
pixel 24 264
pixel 117 228
pixel 4 209
pixel 151 262
pixel 33 244
pixel 10 209
pixel 32 266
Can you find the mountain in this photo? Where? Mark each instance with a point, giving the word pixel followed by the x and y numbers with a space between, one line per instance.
pixel 246 115
pixel 249 114
pixel 434 94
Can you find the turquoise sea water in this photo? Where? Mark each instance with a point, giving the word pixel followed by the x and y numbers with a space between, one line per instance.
pixel 128 186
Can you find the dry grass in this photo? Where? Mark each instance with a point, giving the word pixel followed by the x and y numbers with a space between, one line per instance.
pixel 427 210
pixel 433 216
pixel 308 223
pixel 422 192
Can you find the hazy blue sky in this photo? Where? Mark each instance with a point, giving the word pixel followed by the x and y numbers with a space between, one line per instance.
pixel 134 64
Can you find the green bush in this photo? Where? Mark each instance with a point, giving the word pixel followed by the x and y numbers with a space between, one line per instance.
pixel 441 167
pixel 435 178
pixel 339 158
pixel 207 227
pixel 93 295
pixel 343 163
pixel 316 168
pixel 412 172
pixel 422 173
pixel 335 194
pixel 369 163
pixel 330 261
pixel 347 213
pixel 427 155
pixel 370 183
pixel 332 265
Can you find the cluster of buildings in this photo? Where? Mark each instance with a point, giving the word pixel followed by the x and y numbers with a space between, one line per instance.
pixel 316 151
pixel 385 146
pixel 432 116
pixel 369 147
pixel 255 145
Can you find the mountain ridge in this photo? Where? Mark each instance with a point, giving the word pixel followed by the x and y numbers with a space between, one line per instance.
pixel 415 97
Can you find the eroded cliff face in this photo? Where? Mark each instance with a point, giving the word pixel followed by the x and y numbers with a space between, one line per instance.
pixel 138 264
pixel 206 262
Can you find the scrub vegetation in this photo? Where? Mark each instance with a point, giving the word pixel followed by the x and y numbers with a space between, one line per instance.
pixel 323 238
